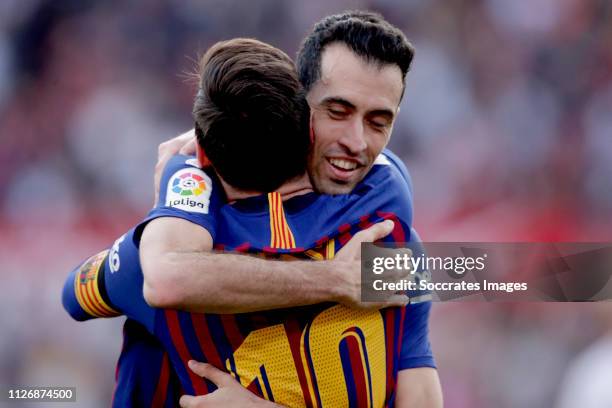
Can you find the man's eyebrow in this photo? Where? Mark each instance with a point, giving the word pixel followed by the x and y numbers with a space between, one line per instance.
pixel 386 113
pixel 331 100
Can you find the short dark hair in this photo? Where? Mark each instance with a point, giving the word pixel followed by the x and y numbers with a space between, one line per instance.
pixel 366 33
pixel 251 116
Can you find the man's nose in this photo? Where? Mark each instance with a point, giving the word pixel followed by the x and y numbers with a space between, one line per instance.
pixel 354 139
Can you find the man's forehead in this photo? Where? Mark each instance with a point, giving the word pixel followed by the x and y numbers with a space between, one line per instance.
pixel 346 75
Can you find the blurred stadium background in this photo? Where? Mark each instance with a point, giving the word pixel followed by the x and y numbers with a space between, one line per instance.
pixel 506 127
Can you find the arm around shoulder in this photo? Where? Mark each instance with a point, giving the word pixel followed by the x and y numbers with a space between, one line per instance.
pixel 181 272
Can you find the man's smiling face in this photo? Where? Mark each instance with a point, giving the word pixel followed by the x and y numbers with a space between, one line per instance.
pixel 353 107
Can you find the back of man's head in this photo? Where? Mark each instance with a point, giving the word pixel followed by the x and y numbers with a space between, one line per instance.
pixel 251 115
pixel 365 33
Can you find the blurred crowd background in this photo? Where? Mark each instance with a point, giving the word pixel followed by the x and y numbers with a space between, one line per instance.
pixel 506 127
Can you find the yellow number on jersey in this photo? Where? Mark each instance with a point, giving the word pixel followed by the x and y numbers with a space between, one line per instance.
pixel 266 353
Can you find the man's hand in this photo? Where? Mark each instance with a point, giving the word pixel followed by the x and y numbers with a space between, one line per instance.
pixel 229 392
pixel 349 265
pixel 182 144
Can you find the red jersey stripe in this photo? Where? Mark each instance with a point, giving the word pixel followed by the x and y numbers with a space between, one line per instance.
pixel 398 233
pixel 179 344
pixel 294 334
pixel 161 391
pixel 91 297
pixel 278 208
pixel 231 329
pixel 208 347
pixel 389 330
pixel 358 371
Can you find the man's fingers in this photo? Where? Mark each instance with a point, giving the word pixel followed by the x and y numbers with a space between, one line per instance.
pixel 185 143
pixel 175 145
pixel 375 232
pixel 210 372
pixel 189 148
pixel 188 401
pixel 397 300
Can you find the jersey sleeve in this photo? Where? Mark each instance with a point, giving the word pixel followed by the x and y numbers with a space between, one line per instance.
pixel 416 349
pixel 109 284
pixel 188 192
pixel 83 294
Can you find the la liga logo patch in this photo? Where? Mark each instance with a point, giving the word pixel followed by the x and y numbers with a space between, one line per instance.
pixel 188 184
pixel 189 189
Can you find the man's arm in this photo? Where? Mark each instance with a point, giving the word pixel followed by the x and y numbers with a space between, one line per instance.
pixel 109 284
pixel 181 272
pixel 419 388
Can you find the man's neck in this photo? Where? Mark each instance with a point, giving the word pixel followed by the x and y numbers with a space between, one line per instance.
pixel 292 188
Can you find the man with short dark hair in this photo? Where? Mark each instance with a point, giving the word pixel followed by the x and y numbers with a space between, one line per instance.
pixel 353 68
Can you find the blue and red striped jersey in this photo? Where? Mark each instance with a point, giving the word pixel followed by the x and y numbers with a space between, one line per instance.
pixel 321 355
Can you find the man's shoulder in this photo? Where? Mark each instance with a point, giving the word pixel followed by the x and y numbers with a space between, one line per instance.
pixel 189 192
pixel 187 164
pixel 186 186
pixel 388 175
pixel 396 163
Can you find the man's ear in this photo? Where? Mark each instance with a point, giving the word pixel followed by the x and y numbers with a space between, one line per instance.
pixel 201 155
pixel 311 130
